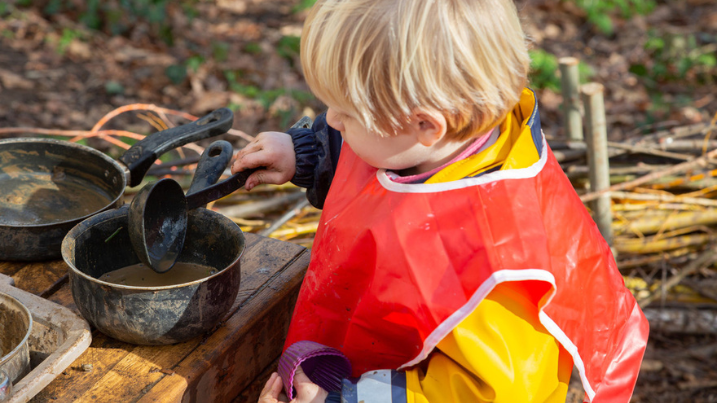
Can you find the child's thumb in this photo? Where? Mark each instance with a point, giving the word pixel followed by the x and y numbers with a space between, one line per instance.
pixel 300 377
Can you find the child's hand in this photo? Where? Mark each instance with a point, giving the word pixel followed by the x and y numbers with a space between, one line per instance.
pixel 272 150
pixel 272 390
pixel 306 391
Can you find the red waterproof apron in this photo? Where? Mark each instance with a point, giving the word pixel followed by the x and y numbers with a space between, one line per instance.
pixel 396 267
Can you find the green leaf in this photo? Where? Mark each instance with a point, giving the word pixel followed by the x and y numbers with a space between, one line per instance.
pixel 639 69
pixel 603 22
pixel 194 62
pixel 176 73
pixel 288 46
pixel 53 7
pixel 585 72
pixel 303 5
pixel 253 48
pixel 655 43
pixel 220 51
pixel 707 60
pixel 683 66
pixel 113 87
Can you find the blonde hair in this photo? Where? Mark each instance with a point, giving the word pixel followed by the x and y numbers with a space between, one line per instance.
pixel 381 59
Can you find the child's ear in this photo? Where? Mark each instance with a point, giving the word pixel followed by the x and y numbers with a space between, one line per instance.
pixel 430 126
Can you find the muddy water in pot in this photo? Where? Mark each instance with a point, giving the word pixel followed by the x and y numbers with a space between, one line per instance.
pixel 139 275
pixel 50 197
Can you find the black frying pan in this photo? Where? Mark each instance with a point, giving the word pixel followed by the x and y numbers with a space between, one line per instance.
pixel 48 186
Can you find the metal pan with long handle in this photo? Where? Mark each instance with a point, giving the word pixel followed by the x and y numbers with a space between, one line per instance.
pixel 48 186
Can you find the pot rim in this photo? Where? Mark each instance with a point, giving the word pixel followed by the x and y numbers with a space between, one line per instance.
pixel 23 343
pixel 84 226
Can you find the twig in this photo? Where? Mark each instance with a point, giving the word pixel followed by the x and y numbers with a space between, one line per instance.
pixel 296 209
pixel 653 176
pixel 70 133
pixel 674 133
pixel 663 198
pixel 261 206
pixel 703 260
pixel 648 225
pixel 142 107
pixel 647 150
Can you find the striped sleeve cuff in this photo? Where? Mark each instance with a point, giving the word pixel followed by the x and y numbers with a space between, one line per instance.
pixel 382 386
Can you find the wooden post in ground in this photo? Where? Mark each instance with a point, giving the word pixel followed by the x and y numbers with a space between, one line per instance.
pixel 596 133
pixel 570 87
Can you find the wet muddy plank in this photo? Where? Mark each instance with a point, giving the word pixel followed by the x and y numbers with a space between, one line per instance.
pixel 103 354
pixel 271 275
pixel 41 278
pixel 10 268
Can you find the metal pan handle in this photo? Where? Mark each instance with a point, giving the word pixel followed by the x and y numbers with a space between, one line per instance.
pixel 236 181
pixel 211 165
pixel 142 155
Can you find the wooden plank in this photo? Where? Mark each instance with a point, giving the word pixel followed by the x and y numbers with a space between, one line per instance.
pixel 10 268
pixel 263 260
pixel 103 354
pixel 251 393
pixel 261 263
pixel 135 373
pixel 247 343
pixel 63 296
pixel 168 390
pixel 40 278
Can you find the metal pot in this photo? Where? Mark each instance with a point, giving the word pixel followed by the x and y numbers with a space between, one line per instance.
pixel 48 186
pixel 15 328
pixel 153 315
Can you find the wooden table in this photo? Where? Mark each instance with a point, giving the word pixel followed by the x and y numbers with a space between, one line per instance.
pixel 230 364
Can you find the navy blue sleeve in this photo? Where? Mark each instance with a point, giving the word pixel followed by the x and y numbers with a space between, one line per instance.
pixel 317 154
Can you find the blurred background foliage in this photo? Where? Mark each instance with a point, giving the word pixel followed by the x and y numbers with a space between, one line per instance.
pixel 668 58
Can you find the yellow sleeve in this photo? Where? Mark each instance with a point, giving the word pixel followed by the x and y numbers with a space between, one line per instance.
pixel 499 353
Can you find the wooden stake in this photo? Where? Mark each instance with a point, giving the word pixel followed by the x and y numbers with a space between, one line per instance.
pixel 570 85
pixel 592 96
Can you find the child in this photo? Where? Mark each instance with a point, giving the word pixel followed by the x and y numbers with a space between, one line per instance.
pixel 453 260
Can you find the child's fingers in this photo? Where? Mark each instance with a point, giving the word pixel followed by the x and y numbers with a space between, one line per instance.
pixel 264 176
pixel 306 390
pixel 250 158
pixel 271 390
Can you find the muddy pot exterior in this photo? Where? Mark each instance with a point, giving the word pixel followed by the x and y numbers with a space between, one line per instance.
pixel 153 315
pixel 15 328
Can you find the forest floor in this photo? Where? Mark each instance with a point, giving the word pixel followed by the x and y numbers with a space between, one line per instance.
pixel 658 70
